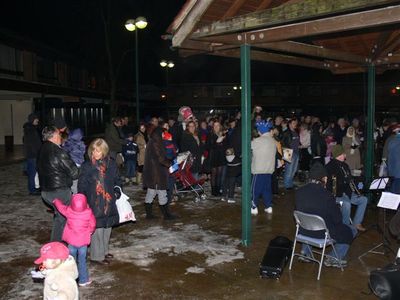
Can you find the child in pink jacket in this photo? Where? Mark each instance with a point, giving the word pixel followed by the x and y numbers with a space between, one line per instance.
pixel 80 225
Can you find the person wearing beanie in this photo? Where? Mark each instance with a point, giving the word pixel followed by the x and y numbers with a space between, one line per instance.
pixel 60 272
pixel 341 184
pixel 32 143
pixel 80 225
pixel 262 166
pixel 314 198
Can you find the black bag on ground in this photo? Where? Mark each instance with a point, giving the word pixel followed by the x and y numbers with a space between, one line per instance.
pixel 276 257
pixel 384 282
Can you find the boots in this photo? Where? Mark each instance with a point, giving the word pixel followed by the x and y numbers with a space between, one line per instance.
pixel 138 178
pixel 149 211
pixel 165 211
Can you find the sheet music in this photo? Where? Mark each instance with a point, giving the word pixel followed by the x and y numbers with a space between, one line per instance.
pixel 389 200
pixel 379 184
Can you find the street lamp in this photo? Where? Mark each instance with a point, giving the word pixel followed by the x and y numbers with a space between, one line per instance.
pixel 167 65
pixel 131 25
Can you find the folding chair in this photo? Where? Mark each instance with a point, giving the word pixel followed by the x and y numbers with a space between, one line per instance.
pixel 312 223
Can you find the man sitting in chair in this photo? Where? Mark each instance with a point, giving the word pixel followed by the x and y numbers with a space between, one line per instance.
pixel 341 184
pixel 313 198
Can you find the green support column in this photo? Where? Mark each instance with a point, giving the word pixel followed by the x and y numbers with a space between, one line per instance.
pixel 369 157
pixel 246 140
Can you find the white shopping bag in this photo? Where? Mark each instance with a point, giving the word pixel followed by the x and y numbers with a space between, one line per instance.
pixel 125 210
pixel 37 184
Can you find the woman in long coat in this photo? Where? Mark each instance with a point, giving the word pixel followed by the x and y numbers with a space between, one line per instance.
pixel 191 142
pixel 141 140
pixel 155 175
pixel 351 144
pixel 97 180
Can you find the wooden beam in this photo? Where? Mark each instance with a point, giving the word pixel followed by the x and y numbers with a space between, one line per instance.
pixel 313 50
pixel 187 7
pixel 340 71
pixel 288 13
pixel 382 40
pixel 275 58
pixel 263 5
pixel 391 45
pixel 343 23
pixel 189 22
pixel 233 9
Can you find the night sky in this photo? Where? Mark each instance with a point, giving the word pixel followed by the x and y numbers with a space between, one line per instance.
pixel 75 27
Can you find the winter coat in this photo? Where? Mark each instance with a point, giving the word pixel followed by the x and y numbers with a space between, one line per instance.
pixel 353 158
pixel 140 140
pixel 55 167
pixel 291 140
pixel 341 171
pixel 60 283
pixel 75 147
pixel 189 143
pixel 81 222
pixel 32 141
pixel 216 150
pixel 113 138
pixel 129 151
pixel 264 152
pixel 87 186
pixel 156 164
pixel 318 145
pixel 314 199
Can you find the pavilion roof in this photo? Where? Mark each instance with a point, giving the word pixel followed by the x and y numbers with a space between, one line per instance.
pixel 342 36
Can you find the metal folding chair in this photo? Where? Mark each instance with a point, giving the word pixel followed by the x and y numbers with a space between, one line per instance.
pixel 312 223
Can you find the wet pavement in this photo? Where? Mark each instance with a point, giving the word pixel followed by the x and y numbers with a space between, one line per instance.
pixel 198 256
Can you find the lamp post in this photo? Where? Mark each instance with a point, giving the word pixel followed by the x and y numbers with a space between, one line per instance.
pixel 167 65
pixel 132 25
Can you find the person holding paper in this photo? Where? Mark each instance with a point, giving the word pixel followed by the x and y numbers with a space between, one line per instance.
pixel 394 160
pixel 341 184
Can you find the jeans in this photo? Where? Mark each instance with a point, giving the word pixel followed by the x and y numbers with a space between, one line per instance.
pixel 346 203
pixel 341 249
pixel 261 185
pixel 130 166
pixel 79 253
pixel 31 172
pixel 229 187
pixel 171 186
pixel 290 171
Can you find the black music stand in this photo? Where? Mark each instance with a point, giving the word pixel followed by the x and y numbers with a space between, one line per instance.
pixel 379 185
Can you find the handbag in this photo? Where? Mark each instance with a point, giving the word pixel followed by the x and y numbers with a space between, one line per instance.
pixel 124 208
pixel 384 282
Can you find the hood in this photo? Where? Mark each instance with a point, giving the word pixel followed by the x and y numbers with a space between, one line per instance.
pixel 75 134
pixel 79 202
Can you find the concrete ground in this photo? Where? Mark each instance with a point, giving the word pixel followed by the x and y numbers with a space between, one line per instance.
pixel 198 256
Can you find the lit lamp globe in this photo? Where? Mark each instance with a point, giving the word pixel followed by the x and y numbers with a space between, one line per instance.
pixel 141 22
pixel 163 63
pixel 170 64
pixel 130 25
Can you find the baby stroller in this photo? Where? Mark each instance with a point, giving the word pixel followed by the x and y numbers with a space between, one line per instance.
pixel 185 182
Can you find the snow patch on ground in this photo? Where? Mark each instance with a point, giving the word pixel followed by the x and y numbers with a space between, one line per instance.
pixel 195 270
pixel 141 246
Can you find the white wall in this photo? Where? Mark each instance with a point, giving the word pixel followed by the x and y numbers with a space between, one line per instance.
pixel 20 109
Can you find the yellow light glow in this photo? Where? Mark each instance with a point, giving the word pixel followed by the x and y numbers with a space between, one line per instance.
pixel 171 64
pixel 130 25
pixel 141 22
pixel 163 63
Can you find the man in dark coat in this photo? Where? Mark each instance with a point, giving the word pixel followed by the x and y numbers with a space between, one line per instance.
pixel 155 175
pixel 313 198
pixel 32 144
pixel 113 137
pixel 56 172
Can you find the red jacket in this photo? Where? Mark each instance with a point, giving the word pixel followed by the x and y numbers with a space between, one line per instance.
pixel 81 222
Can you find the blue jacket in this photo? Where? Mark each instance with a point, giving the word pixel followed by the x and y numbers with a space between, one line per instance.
pixel 130 150
pixel 75 147
pixel 394 157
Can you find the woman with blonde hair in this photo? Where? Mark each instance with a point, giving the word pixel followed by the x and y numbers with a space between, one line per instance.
pixel 97 179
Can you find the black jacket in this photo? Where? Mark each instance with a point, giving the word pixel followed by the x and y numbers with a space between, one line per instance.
pixel 87 186
pixel 341 171
pixel 314 199
pixel 55 167
pixel 216 151
pixel 188 143
pixel 318 145
pixel 32 140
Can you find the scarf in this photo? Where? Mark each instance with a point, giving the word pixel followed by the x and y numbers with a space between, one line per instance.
pixel 101 194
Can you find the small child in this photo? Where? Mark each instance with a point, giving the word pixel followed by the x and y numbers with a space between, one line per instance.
pixel 81 223
pixel 129 151
pixel 60 271
pixel 170 152
pixel 233 170
pixel 76 148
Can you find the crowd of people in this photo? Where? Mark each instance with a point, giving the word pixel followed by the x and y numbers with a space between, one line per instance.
pixel 78 181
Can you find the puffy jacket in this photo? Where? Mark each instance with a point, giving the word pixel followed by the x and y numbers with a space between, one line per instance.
pixel 55 167
pixel 75 147
pixel 81 222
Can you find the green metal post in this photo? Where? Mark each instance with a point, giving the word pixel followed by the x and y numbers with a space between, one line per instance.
pixel 137 75
pixel 369 158
pixel 246 140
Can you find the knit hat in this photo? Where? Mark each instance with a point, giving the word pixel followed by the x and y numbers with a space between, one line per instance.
pixel 337 150
pixel 318 171
pixel 53 250
pixel 264 127
pixel 58 122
